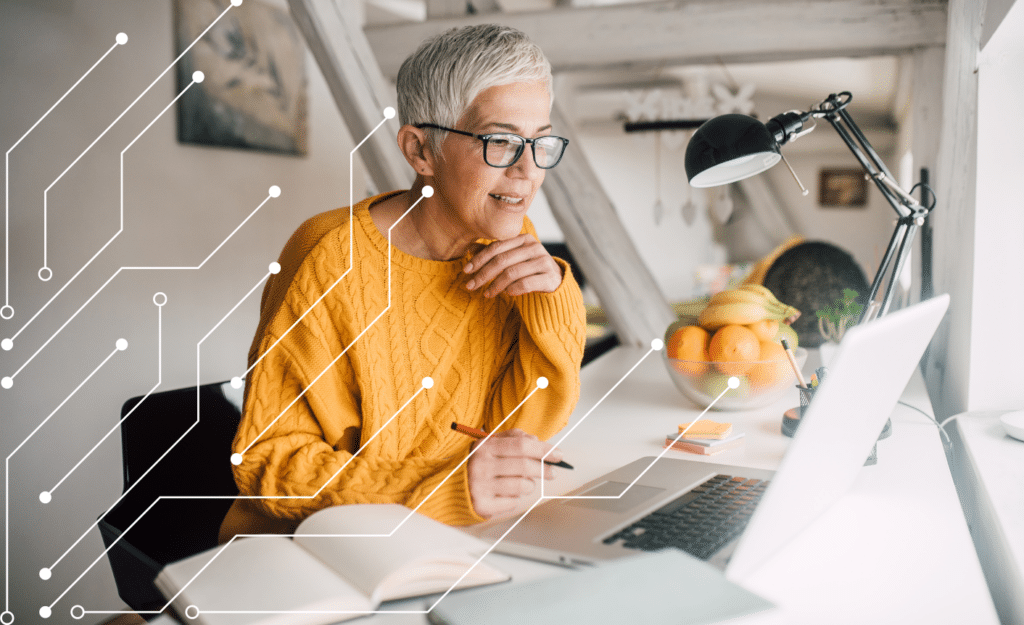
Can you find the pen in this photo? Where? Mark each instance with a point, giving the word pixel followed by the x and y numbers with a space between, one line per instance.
pixel 792 361
pixel 478 434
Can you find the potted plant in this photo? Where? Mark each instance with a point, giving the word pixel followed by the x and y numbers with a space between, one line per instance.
pixel 834 320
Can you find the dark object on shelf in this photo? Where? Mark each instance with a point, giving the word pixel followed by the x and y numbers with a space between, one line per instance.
pixel 811 276
pixel 140 539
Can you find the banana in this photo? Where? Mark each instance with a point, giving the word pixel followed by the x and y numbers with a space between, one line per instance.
pixel 779 309
pixel 745 304
pixel 736 296
pixel 757 288
pixel 740 313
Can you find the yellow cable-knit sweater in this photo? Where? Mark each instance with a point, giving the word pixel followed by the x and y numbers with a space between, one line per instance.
pixel 340 365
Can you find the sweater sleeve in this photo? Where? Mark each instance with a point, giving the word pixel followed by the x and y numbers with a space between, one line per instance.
pixel 301 428
pixel 550 336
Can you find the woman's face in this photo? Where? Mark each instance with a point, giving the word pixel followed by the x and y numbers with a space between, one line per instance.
pixel 490 202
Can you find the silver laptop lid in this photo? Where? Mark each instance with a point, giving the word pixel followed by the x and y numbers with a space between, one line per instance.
pixel 866 378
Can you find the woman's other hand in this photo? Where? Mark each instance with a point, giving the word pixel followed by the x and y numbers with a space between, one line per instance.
pixel 505 469
pixel 515 267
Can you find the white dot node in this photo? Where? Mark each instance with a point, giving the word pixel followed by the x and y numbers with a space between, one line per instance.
pixel 45 273
pixel 7 311
pixel 389 112
pixel 427 190
pixel 542 382
pixel 121 344
pixel 7 617
pixel 44 573
pixel 7 382
pixel 192 611
pixel 198 76
pixel 121 39
pixel 428 382
pixel 236 382
pixel 160 298
pixel 45 612
pixel 7 344
pixel 45 496
pixel 275 268
pixel 275 191
pixel 236 3
pixel 236 459
pixel 734 382
pixel 77 612
pixel 657 344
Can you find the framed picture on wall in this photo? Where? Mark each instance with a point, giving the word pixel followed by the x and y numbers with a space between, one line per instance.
pixel 842 188
pixel 254 92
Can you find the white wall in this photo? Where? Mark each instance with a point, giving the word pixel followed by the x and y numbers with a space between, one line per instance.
pixel 998 273
pixel 180 203
pixel 625 165
pixel 978 223
pixel 863 231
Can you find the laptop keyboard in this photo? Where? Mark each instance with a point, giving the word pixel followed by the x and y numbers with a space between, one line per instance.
pixel 700 522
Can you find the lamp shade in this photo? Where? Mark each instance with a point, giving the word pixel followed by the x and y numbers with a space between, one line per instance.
pixel 728 148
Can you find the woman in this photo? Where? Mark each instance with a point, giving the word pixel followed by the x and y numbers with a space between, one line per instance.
pixel 338 409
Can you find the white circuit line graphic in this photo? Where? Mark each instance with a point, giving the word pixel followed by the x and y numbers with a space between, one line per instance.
pixel 7 311
pixel 121 345
pixel 159 300
pixel 45 274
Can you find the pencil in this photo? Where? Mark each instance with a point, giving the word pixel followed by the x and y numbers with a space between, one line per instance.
pixel 792 361
pixel 478 434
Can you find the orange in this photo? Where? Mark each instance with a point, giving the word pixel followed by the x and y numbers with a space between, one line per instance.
pixel 733 348
pixel 774 368
pixel 766 329
pixel 689 343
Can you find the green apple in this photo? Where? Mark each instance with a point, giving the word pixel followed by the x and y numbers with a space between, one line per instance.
pixel 788 333
pixel 715 382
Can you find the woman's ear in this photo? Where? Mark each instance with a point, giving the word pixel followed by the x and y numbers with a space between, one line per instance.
pixel 413 143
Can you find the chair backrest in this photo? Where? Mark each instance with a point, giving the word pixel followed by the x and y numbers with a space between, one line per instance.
pixel 173 443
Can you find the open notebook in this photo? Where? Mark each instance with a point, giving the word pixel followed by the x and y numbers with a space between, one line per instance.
pixel 313 578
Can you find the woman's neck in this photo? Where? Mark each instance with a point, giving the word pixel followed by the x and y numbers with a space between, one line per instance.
pixel 426 231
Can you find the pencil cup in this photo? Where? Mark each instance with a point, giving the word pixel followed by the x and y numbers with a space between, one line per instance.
pixel 791 419
pixel 806 395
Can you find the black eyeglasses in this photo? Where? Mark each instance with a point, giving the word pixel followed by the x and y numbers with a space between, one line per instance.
pixel 503 149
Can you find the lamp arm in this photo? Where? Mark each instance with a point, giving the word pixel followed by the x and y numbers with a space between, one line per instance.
pixel 911 212
pixel 901 202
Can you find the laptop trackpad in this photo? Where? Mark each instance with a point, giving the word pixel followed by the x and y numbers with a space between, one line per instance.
pixel 615 496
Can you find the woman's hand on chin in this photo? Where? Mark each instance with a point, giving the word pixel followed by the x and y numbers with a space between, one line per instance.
pixel 515 267
pixel 505 470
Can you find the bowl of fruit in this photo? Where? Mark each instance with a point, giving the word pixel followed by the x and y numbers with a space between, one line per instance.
pixel 738 335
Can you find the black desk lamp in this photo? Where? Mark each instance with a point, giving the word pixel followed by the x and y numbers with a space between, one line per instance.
pixel 732 147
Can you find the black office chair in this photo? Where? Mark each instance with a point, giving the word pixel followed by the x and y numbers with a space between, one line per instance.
pixel 594 347
pixel 199 464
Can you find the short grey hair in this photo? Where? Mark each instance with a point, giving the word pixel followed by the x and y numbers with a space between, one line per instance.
pixel 439 81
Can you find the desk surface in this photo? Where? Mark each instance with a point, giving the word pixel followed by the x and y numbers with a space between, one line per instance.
pixel 895 549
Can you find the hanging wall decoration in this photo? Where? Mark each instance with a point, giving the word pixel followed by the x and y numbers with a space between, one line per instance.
pixel 673 115
pixel 254 92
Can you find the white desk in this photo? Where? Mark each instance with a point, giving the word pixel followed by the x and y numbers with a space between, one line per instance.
pixel 895 549
pixel 988 466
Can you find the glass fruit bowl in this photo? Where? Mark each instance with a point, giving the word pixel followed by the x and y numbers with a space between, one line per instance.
pixel 761 382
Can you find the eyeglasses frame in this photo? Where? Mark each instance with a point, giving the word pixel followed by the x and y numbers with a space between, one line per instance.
pixel 488 137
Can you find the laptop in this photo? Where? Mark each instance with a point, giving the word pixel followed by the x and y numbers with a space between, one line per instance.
pixel 735 517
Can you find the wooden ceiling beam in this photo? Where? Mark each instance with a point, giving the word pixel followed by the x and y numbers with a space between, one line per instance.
pixel 698 31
